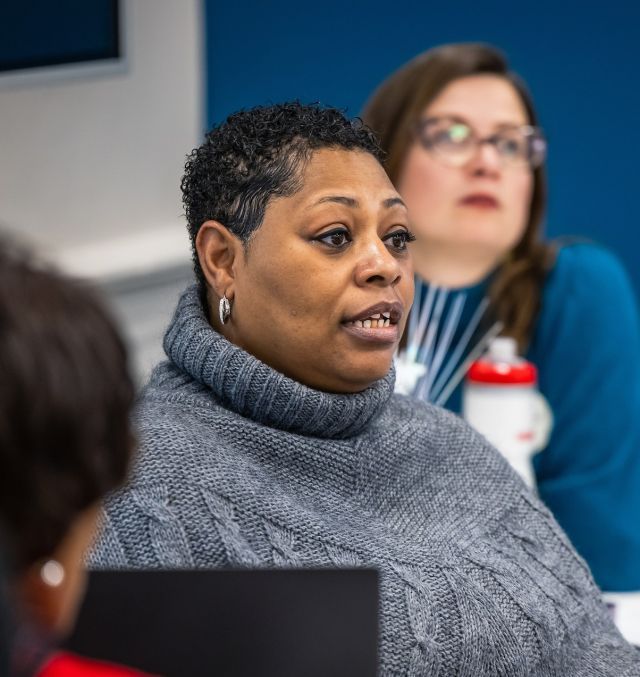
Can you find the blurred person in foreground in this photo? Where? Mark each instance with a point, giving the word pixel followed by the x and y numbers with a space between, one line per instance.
pixel 271 436
pixel 65 441
pixel 464 149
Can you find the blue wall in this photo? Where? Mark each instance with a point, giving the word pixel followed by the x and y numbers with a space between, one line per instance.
pixel 582 64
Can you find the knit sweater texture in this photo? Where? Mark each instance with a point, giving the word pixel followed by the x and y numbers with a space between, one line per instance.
pixel 586 346
pixel 241 466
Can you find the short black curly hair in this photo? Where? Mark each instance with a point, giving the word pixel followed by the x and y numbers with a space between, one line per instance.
pixel 258 154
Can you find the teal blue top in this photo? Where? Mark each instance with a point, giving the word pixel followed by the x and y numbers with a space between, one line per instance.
pixel 586 345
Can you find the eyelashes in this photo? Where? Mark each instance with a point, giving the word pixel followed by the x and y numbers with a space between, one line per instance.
pixel 400 239
pixel 340 238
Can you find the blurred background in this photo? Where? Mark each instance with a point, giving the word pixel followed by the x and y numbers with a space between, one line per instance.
pixel 101 101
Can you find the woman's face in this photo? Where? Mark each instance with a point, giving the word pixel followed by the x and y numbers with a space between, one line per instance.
pixel 323 290
pixel 482 203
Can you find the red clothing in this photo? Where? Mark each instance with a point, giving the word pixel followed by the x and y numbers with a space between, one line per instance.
pixel 69 665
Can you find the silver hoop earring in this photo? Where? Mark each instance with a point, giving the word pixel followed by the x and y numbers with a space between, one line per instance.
pixel 224 309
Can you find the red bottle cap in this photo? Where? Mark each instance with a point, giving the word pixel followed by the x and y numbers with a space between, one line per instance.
pixel 487 371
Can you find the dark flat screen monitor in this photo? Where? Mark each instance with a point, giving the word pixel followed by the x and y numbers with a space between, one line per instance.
pixel 36 34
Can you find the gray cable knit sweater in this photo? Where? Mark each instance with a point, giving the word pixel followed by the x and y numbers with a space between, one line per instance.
pixel 240 465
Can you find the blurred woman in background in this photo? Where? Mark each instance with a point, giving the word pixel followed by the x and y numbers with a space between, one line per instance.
pixel 65 441
pixel 465 151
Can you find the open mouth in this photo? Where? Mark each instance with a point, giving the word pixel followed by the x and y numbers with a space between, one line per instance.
pixel 376 324
pixel 375 321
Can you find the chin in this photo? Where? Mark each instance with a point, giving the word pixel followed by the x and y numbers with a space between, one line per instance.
pixel 351 372
pixel 361 379
pixel 487 234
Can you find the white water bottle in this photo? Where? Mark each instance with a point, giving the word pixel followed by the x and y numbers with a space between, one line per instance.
pixel 501 401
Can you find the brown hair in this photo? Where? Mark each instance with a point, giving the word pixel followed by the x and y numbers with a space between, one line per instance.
pixel 393 111
pixel 65 400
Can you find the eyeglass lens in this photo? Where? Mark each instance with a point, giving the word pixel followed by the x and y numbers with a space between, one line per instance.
pixel 455 142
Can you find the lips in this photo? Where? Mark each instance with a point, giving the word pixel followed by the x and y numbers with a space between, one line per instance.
pixel 376 325
pixel 391 310
pixel 482 200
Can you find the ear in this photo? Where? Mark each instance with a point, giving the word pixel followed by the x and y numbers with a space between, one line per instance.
pixel 42 601
pixel 54 601
pixel 219 251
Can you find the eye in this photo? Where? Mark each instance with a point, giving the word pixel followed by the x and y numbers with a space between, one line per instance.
pixel 511 145
pixel 449 134
pixel 458 132
pixel 338 238
pixel 399 239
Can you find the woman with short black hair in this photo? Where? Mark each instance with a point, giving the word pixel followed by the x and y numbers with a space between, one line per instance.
pixel 271 435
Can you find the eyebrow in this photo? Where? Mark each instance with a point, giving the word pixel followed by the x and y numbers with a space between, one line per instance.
pixel 392 202
pixel 353 203
pixel 460 118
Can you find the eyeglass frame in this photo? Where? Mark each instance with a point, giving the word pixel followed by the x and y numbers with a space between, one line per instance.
pixel 526 130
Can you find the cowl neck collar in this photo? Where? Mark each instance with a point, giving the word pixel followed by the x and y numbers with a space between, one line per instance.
pixel 253 389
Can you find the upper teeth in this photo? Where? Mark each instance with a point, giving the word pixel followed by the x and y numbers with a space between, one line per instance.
pixel 374 322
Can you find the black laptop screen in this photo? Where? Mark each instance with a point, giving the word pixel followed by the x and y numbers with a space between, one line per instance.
pixel 233 623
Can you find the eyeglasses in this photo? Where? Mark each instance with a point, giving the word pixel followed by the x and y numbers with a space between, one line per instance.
pixel 455 142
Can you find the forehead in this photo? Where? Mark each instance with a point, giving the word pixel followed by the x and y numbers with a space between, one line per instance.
pixel 337 168
pixel 483 100
pixel 350 173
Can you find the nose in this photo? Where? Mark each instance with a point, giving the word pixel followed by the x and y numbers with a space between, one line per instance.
pixel 485 161
pixel 377 265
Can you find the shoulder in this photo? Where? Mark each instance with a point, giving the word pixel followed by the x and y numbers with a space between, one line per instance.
pixel 171 399
pixel 588 290
pixel 438 446
pixel 587 267
pixel 417 417
pixel 175 419
pixel 169 384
